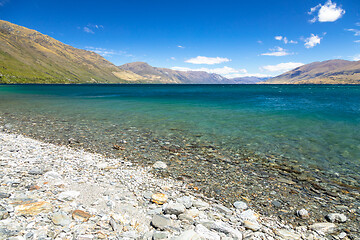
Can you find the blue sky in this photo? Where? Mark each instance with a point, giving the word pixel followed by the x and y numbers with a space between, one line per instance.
pixel 231 37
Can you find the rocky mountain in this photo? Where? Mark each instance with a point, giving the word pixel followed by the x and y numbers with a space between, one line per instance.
pixel 248 80
pixel 27 56
pixel 165 75
pixel 326 72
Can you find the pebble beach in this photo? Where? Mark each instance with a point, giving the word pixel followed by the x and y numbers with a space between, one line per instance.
pixel 53 191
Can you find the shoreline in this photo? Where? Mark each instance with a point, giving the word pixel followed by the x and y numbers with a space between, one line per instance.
pixel 73 179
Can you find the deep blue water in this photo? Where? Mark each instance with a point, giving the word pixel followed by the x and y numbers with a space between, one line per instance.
pixel 314 124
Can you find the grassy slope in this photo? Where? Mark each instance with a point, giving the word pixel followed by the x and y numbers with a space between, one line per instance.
pixel 27 56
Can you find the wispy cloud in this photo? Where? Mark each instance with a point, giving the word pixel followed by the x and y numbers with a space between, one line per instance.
pixel 207 60
pixel 277 52
pixel 240 75
pixel 222 71
pixel 329 12
pixel 355 31
pixel 260 42
pixel 88 30
pixel 285 40
pixel 356 57
pixel 107 52
pixel 312 41
pixel 281 67
pixel 91 28
pixel 357 41
pixel 179 46
pixel 3 2
pixel 173 58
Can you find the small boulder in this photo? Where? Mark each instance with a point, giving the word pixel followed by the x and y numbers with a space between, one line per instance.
pixel 186 201
pixel 52 175
pixel 201 205
pixel 36 171
pixel 323 227
pixel 80 215
pixel 206 233
pixel 159 165
pixel 254 226
pixel 33 208
pixel 249 215
pixel 222 209
pixel 336 217
pixel 174 208
pixel 189 235
pixel 61 218
pixel 287 235
pixel 240 205
pixel 68 195
pixel 160 222
pixel 303 213
pixel 159 198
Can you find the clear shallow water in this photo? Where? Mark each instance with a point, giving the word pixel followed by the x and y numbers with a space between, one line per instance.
pixel 316 125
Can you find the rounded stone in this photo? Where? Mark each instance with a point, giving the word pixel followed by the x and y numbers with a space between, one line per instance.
pixel 61 218
pixel 160 165
pixel 336 217
pixel 159 198
pixel 240 205
pixel 303 213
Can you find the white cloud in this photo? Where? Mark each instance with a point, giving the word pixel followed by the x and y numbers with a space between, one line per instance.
pixel 173 58
pixel 239 75
pixel 328 12
pixel 277 51
pixel 356 57
pixel 179 46
pixel 107 52
pixel 260 42
pixel 357 41
pixel 285 40
pixel 281 67
pixel 355 31
pixel 88 30
pixel 207 60
pixel 312 41
pixel 222 71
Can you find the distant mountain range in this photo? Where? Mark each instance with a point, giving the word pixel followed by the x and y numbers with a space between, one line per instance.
pixel 165 75
pixel 27 56
pixel 248 80
pixel 327 72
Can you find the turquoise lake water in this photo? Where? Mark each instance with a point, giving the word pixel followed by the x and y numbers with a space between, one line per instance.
pixel 314 124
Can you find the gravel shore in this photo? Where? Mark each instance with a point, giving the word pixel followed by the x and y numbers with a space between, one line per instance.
pixel 55 192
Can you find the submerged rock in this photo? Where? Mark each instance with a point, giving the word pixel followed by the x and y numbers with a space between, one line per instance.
pixel 303 213
pixel 159 165
pixel 336 217
pixel 240 205
pixel 323 227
